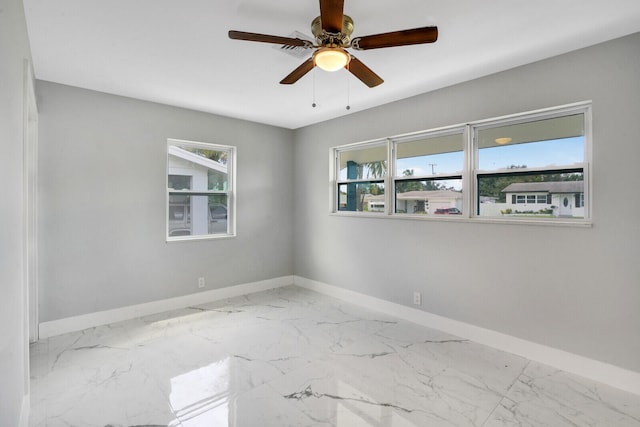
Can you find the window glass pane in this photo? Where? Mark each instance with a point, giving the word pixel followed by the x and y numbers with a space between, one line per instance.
pixel 361 197
pixel 199 189
pixel 179 182
pixel 549 142
pixel 218 204
pixel 429 196
pixel 206 169
pixel 532 195
pixel 364 163
pixel 435 155
pixel 197 215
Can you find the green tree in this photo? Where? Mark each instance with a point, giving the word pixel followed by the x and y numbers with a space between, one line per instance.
pixel 410 185
pixel 418 184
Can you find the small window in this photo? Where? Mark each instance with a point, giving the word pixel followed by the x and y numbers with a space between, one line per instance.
pixel 200 190
pixel 179 182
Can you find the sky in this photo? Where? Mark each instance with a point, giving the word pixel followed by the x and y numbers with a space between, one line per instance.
pixel 565 152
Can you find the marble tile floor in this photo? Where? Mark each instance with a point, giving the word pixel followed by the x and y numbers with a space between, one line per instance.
pixel 292 357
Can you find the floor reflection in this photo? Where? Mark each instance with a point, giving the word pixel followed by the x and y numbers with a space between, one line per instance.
pixel 292 357
pixel 201 397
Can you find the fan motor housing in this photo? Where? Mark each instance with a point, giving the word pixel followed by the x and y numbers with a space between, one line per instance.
pixel 341 39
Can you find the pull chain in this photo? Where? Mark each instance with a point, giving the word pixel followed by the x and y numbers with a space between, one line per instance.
pixel 314 88
pixel 348 87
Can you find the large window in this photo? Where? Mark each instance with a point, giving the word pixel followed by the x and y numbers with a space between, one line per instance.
pixel 200 190
pixel 526 167
pixel 531 167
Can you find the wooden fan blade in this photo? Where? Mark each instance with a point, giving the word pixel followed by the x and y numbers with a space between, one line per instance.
pixel 331 15
pixel 265 38
pixel 297 74
pixel 364 73
pixel 396 38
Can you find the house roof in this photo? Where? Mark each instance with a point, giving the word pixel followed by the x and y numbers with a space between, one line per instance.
pixel 197 159
pixel 545 187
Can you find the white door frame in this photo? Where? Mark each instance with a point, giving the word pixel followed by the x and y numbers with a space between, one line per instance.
pixel 30 197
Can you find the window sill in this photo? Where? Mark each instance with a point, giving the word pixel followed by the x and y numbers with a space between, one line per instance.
pixel 199 238
pixel 579 223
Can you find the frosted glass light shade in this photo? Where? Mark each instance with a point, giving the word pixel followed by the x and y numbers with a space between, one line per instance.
pixel 331 58
pixel 503 140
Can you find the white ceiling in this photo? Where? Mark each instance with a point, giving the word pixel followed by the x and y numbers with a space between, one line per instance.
pixel 177 52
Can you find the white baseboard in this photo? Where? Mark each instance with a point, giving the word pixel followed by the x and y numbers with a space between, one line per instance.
pixel 24 411
pixel 589 368
pixel 84 321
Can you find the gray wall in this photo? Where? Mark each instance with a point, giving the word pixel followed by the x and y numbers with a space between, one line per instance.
pixel 570 288
pixel 14 49
pixel 102 203
pixel 102 176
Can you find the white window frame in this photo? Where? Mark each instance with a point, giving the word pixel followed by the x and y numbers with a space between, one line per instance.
pixel 471 172
pixel 335 171
pixel 407 139
pixel 550 113
pixel 230 192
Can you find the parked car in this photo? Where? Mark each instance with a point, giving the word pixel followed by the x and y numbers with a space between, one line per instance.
pixel 180 219
pixel 448 211
pixel 218 211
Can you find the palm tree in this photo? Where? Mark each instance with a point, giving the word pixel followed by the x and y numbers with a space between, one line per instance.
pixel 375 169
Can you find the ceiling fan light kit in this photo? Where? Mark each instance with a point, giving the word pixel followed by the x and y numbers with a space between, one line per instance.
pixel 332 31
pixel 503 140
pixel 331 58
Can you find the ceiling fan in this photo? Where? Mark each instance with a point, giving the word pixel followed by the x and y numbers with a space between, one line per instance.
pixel 332 30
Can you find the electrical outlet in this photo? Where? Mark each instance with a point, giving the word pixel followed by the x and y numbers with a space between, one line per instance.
pixel 201 282
pixel 417 298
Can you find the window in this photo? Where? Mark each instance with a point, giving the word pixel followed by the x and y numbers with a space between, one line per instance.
pixel 200 190
pixel 428 172
pixel 528 167
pixel 537 160
pixel 361 178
